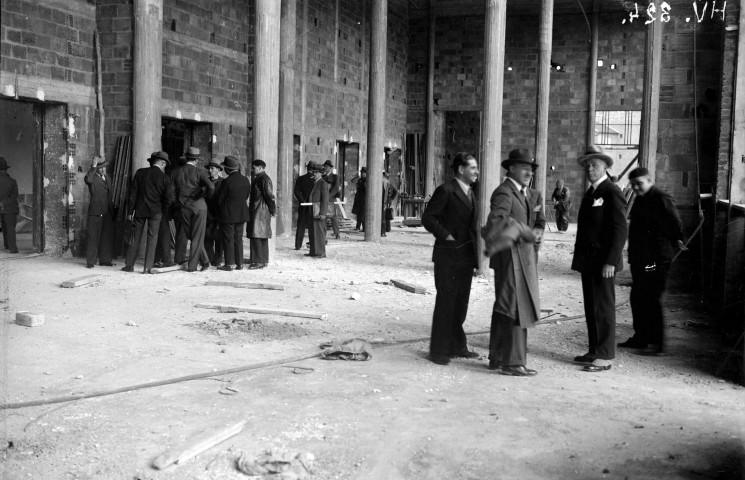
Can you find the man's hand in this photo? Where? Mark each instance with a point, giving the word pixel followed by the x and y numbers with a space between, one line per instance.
pixel 682 246
pixel 96 160
pixel 538 232
pixel 130 217
pixel 609 271
pixel 449 238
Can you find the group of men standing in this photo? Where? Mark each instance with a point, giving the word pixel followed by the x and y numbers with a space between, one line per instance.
pixel 512 236
pixel 206 208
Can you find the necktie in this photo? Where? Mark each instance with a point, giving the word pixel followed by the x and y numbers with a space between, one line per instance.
pixel 590 191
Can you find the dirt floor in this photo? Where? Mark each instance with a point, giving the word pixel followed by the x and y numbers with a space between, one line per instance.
pixel 397 416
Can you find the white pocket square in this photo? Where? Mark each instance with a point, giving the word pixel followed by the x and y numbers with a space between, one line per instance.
pixel 537 208
pixel 598 202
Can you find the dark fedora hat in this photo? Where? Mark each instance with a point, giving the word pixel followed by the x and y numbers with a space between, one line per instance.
pixel 328 163
pixel 231 163
pixel 520 155
pixel 363 170
pixel 311 166
pixel 213 164
pixel 3 164
pixel 595 151
pixel 155 156
pixel 105 163
pixel 192 153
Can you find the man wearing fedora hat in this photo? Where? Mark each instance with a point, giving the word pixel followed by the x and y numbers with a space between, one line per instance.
pixel 231 201
pixel 263 207
pixel 301 192
pixel 601 234
pixel 358 208
pixel 8 207
pixel 193 187
pixel 319 198
pixel 100 216
pixel 334 194
pixel 213 233
pixel 452 217
pixel 150 193
pixel 512 236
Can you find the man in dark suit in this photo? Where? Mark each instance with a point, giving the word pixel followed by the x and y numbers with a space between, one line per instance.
pixel 193 187
pixel 319 198
pixel 8 207
pixel 451 216
pixel 358 209
pixel 334 194
pixel 151 191
pixel 601 234
pixel 213 234
pixel 233 212
pixel 654 232
pixel 100 216
pixel 301 192
pixel 513 234
pixel 262 207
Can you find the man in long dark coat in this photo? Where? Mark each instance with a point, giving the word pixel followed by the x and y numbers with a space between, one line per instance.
pixel 562 204
pixel 100 216
pixel 262 207
pixel 334 195
pixel 451 216
pixel 512 234
pixel 358 209
pixel 213 234
pixel 601 234
pixel 193 189
pixel 8 207
pixel 301 192
pixel 233 212
pixel 319 198
pixel 390 197
pixel 150 193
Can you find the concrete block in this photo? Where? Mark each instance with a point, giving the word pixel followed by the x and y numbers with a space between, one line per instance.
pixel 77 282
pixel 28 319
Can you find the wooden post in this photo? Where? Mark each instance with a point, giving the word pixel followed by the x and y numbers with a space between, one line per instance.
pixel 148 80
pixel 285 175
pixel 651 99
pixel 266 89
pixel 592 94
pixel 736 176
pixel 496 23
pixel 376 120
pixel 544 87
pixel 429 164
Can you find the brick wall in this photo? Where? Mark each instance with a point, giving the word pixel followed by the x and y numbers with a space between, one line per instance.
pixel 729 55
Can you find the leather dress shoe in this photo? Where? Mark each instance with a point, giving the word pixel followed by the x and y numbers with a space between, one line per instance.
pixel 466 354
pixel 653 351
pixel 239 267
pixel 107 264
pixel 128 269
pixel 586 359
pixel 495 365
pixel 598 366
pixel 633 343
pixel 256 266
pixel 519 371
pixel 147 272
pixel 309 255
pixel 205 267
pixel 439 359
pixel 89 265
pixel 226 268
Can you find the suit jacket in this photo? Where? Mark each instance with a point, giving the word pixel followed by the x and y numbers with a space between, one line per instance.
pixel 213 209
pixel 514 216
pixel 334 187
pixel 450 212
pixel 8 194
pixel 192 186
pixel 601 229
pixel 654 229
pixel 232 199
pixel 262 206
pixel 101 202
pixel 360 196
pixel 303 186
pixel 151 192
pixel 319 194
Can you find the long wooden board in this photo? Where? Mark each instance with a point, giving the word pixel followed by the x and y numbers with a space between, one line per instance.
pixel 262 286
pixel 77 282
pixel 192 448
pixel 409 287
pixel 174 268
pixel 264 310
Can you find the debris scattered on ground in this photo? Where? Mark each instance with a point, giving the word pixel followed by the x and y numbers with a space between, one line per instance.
pixel 254 329
pixel 263 310
pixel 80 281
pixel 355 349
pixel 279 465
pixel 173 268
pixel 355 296
pixel 28 319
pixel 194 447
pixel 409 287
pixel 132 324
pixel 262 286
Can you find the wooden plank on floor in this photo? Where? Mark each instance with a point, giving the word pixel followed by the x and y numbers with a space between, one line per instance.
pixel 77 282
pixel 409 287
pixel 174 268
pixel 194 447
pixel 263 286
pixel 263 310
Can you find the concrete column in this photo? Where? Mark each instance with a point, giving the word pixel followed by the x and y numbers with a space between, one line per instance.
pixel 592 92
pixel 544 87
pixel 496 22
pixel 736 190
pixel 429 164
pixel 285 156
pixel 266 90
pixel 376 120
pixel 651 100
pixel 148 80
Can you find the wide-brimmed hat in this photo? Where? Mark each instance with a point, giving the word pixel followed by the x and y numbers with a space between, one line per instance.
pixel 213 164
pixel 192 153
pixel 3 164
pixel 231 163
pixel 519 155
pixel 155 156
pixel 595 151
pixel 328 163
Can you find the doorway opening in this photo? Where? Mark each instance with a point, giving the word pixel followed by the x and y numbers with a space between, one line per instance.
pixel 347 167
pixel 178 135
pixel 617 131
